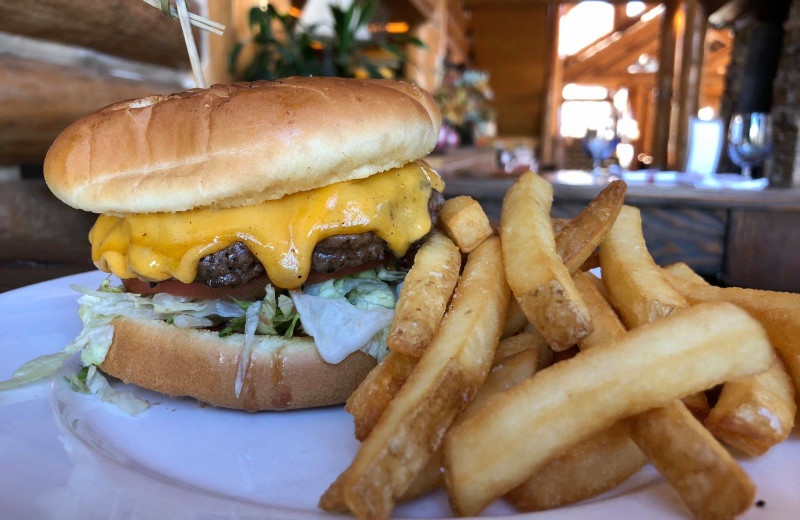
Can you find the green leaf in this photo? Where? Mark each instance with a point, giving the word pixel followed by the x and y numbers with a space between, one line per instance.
pixel 290 331
pixel 261 20
pixel 407 39
pixel 234 325
pixel 105 286
pixel 233 57
pixel 367 12
pixel 243 304
pixel 395 50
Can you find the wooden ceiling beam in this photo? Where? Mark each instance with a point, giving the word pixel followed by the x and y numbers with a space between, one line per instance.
pixel 617 62
pixel 616 81
pixel 618 50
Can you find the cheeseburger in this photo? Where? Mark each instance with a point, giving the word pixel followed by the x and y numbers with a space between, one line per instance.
pixel 261 232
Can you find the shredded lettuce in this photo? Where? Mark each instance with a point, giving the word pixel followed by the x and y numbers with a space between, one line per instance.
pixel 343 315
pixel 277 316
pixel 337 326
pixel 96 384
pixel 93 341
pixel 252 322
pixel 42 366
pixel 90 381
pixel 356 316
pixel 366 290
pixel 78 381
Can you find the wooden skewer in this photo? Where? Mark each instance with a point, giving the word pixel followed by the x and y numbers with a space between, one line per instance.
pixel 198 21
pixel 180 12
pixel 194 58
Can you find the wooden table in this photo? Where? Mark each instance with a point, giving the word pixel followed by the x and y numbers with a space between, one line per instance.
pixel 744 238
pixel 40 237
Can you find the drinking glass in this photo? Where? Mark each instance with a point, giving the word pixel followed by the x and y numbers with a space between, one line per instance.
pixel 600 144
pixel 749 140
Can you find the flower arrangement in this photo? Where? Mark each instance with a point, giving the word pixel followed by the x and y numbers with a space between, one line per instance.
pixel 465 102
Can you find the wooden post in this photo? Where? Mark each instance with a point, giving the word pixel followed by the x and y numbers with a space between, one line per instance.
pixel 691 68
pixel 215 66
pixel 555 84
pixel 664 80
pixel 425 65
pixel 640 101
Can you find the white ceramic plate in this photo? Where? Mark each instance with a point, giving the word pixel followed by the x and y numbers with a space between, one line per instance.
pixel 67 456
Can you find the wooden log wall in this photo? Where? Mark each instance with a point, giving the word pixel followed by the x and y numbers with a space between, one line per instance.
pixel 126 28
pixel 62 59
pixel 38 100
pixel 511 42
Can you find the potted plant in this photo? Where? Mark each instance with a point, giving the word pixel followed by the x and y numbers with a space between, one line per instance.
pixel 298 50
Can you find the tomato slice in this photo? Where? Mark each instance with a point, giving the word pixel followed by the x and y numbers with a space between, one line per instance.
pixel 252 289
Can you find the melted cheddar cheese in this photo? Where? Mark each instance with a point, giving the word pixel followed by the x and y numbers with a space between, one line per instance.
pixel 281 233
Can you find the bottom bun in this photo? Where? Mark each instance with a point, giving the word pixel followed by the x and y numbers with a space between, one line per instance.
pixel 282 373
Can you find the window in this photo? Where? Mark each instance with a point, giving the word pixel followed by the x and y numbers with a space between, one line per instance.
pixel 634 9
pixel 578 116
pixel 584 24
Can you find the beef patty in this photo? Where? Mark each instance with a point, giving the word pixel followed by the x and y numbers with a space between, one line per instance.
pixel 236 265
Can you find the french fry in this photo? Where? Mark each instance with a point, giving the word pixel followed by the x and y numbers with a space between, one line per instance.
pixel 444 380
pixel 515 319
pixel 514 370
pixel 423 299
pixel 593 262
pixel 683 271
pixel 563 355
pixel 599 285
pixel 708 479
pixel 586 470
pixel 463 219
pixel 428 479
pixel 537 277
pixel 706 476
pixel 603 461
pixel 577 241
pixel 607 326
pixel 525 341
pixel 755 413
pixel 559 224
pixel 778 312
pixel 752 414
pixel 637 288
pixel 519 431
pixel 697 404
pixel 375 392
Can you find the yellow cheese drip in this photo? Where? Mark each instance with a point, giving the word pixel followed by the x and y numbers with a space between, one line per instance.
pixel 281 233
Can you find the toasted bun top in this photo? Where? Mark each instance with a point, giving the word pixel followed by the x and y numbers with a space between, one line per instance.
pixel 239 144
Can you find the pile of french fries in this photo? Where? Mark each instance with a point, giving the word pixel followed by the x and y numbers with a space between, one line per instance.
pixel 522 375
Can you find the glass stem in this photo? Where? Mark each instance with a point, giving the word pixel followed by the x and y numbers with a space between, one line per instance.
pixel 747 171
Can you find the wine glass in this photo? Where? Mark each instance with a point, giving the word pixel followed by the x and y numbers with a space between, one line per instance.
pixel 749 140
pixel 600 144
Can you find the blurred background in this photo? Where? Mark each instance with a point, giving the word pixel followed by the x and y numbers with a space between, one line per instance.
pixel 692 102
